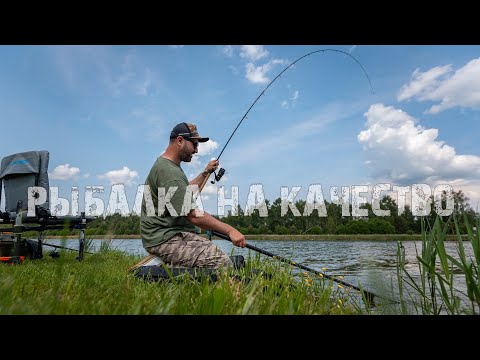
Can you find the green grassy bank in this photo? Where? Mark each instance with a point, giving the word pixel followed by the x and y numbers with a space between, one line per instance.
pixel 101 285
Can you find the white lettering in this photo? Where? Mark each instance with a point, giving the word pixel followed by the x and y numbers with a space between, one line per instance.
pixel 315 201
pixel 191 201
pixel 75 205
pixel 147 195
pixel 37 195
pixel 58 206
pixel 222 201
pixel 93 206
pixel 376 197
pixel 164 201
pixel 288 200
pixel 117 201
pixel 256 200
pixel 421 200
pixel 437 195
pixel 358 200
pixel 137 204
pixel 401 198
pixel 343 200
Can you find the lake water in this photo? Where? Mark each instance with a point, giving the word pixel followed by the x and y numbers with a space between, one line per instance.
pixel 369 263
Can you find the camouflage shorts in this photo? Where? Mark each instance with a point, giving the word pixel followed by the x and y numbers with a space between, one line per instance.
pixel 188 249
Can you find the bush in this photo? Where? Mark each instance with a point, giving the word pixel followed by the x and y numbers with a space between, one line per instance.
pixel 316 230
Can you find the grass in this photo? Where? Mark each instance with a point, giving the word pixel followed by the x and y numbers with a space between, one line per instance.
pixel 100 285
pixel 435 290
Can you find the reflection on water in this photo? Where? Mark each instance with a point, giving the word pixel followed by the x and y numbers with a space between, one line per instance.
pixel 369 263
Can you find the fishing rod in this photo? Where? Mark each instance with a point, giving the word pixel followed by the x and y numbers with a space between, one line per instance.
pixel 221 171
pixel 368 295
pixel 63 247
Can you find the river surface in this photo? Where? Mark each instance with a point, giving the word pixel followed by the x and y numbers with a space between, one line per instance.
pixel 372 264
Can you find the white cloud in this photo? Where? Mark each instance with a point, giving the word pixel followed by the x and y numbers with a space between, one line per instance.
pixel 423 83
pixel 284 104
pixel 258 74
pixel 64 172
pixel 352 49
pixel 123 176
pixel 204 149
pixel 462 88
pixel 176 46
pixel 207 148
pixel 253 52
pixel 227 50
pixel 210 189
pixel 400 151
pixel 195 164
pixel 471 188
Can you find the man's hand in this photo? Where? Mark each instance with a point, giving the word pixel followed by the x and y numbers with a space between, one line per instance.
pixel 212 166
pixel 237 238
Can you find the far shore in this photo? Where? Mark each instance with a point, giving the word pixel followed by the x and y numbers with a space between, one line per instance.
pixel 355 237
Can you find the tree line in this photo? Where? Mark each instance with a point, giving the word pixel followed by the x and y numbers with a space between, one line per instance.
pixel 335 223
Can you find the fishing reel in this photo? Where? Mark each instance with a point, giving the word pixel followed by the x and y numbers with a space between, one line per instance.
pixel 218 176
pixel 54 255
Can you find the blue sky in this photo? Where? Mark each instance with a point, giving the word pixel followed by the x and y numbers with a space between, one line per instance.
pixel 105 112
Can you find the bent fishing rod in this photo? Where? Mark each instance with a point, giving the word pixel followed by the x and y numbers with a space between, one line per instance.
pixel 221 171
pixel 369 296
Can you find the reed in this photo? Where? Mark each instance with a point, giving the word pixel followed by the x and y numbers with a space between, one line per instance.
pixel 445 283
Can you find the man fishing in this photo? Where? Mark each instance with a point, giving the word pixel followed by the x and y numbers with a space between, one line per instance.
pixel 171 233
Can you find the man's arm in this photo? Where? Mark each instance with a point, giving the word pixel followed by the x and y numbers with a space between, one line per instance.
pixel 211 167
pixel 208 222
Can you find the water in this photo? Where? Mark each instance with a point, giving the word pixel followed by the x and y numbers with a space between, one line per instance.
pixel 371 264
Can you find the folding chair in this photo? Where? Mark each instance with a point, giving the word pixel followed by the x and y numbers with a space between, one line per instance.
pixel 18 173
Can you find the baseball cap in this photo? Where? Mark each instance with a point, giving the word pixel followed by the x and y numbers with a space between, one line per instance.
pixel 188 131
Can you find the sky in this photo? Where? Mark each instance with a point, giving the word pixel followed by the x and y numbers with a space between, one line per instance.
pixel 105 113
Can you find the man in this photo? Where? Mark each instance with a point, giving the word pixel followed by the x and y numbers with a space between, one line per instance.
pixel 171 234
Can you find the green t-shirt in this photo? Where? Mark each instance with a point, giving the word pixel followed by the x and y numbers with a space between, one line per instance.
pixel 157 228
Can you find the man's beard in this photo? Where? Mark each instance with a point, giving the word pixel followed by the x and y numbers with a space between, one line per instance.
pixel 186 156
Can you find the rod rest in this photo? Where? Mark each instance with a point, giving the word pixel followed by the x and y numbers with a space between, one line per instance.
pixel 6 218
